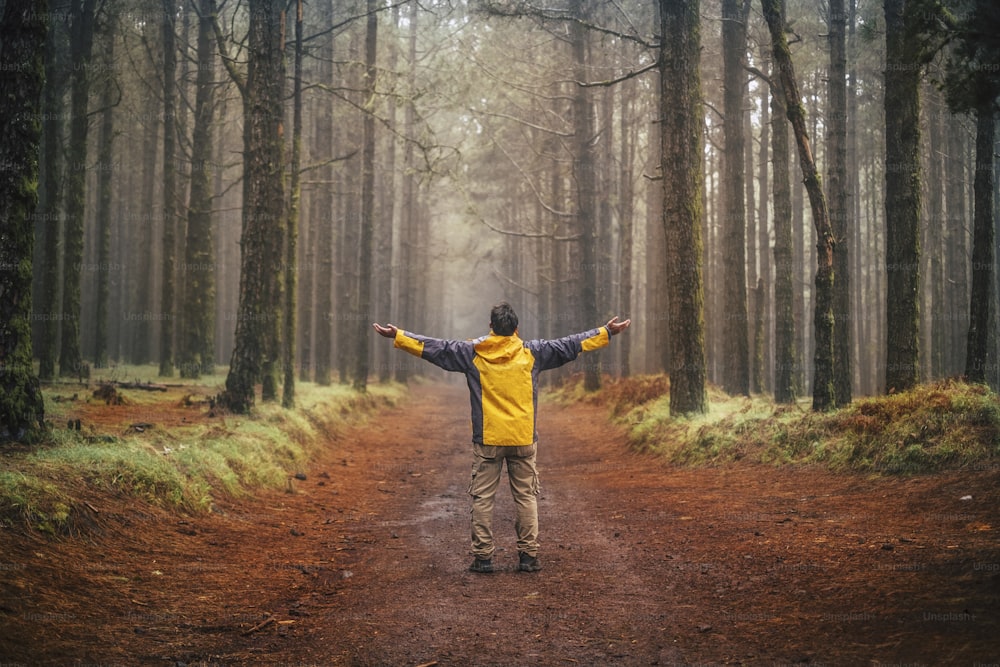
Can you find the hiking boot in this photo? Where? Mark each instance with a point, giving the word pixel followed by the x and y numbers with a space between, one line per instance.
pixel 481 565
pixel 529 563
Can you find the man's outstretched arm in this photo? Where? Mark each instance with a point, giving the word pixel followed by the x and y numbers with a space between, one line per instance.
pixel 450 355
pixel 556 352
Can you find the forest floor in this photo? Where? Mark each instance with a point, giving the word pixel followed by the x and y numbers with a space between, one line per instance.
pixel 364 562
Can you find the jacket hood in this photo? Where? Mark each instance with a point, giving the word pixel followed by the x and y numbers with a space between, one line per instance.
pixel 499 349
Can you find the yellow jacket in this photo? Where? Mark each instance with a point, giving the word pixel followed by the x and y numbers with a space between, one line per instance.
pixel 502 373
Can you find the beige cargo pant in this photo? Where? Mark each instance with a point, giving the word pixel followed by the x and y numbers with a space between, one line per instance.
pixel 523 477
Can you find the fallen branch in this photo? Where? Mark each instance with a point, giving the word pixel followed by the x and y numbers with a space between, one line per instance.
pixel 144 386
pixel 267 621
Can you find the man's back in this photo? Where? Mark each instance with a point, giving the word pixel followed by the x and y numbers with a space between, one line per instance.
pixel 502 373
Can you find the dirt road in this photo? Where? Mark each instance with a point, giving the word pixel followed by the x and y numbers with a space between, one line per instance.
pixel 365 562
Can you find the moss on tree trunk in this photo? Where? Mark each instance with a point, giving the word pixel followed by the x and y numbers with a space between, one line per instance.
pixel 21 59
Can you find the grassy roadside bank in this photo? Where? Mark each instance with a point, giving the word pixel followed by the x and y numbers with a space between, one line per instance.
pixel 165 444
pixel 940 425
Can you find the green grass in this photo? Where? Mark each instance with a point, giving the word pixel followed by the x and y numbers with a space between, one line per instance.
pixel 180 467
pixel 939 425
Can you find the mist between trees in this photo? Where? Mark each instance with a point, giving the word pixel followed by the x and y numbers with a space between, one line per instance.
pixel 414 164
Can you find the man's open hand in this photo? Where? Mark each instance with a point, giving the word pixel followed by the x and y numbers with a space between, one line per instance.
pixel 616 327
pixel 389 330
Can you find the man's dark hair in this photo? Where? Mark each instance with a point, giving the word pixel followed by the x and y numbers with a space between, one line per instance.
pixel 503 319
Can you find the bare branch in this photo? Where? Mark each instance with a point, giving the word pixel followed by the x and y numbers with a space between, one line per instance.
pixel 530 182
pixel 348 21
pixel 324 163
pixel 227 61
pixel 526 10
pixel 510 281
pixel 520 121
pixel 529 235
pixel 625 77
pixel 760 75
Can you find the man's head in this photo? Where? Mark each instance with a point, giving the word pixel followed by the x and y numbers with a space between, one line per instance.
pixel 503 319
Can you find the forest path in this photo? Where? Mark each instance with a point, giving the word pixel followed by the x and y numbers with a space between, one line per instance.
pixel 365 562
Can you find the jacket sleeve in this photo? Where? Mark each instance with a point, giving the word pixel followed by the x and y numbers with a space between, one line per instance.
pixel 558 351
pixel 451 355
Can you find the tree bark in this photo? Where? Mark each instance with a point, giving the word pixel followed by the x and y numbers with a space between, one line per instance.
pixel 323 226
pixel 628 132
pixel 823 393
pixel 735 344
pixel 367 218
pixel 292 223
pixel 765 327
pixel 274 288
pixel 49 210
pixel 837 185
pixel 980 305
pixel 167 306
pixel 408 213
pixel 682 160
pixel 197 350
pixel 859 316
pixel 263 204
pixel 786 370
pixel 81 46
pixel 902 197
pixel 585 178
pixel 105 158
pixel 383 306
pixel 934 296
pixel 22 36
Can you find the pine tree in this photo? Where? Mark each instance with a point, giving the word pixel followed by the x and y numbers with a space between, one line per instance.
pixel 682 157
pixel 22 40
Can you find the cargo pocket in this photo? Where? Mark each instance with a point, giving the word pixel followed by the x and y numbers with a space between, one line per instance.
pixel 476 463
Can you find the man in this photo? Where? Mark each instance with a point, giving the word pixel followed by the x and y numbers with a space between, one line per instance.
pixel 502 373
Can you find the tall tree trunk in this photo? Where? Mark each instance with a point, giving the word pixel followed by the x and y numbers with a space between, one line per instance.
pixel 786 370
pixel 292 223
pixel 735 344
pixel 349 262
pixel 367 218
pixel 980 305
pixel 658 344
pixel 105 157
pixel 50 189
pixel 324 225
pixel 858 317
pixel 274 288
pixel 800 273
pixel 934 297
pixel 81 46
pixel 142 330
pixel 383 306
pixel 167 305
pixel 764 243
pixel 408 211
pixel 22 36
pixel 263 204
pixel 197 349
pixel 585 178
pixel 823 394
pixel 958 248
pixel 902 196
pixel 755 296
pixel 682 160
pixel 839 203
pixel 626 197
